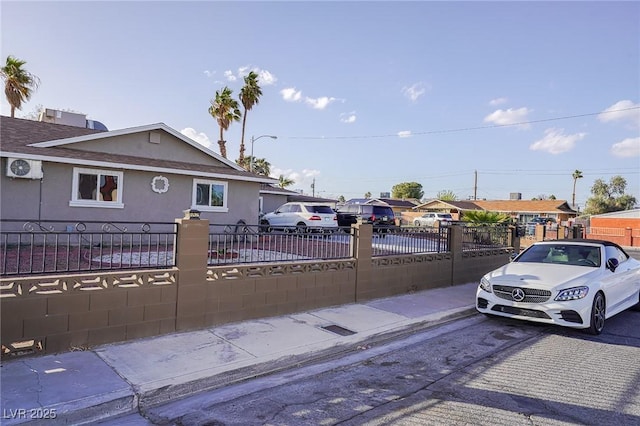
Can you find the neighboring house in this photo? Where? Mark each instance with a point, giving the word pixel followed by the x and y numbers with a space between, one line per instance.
pixel 521 210
pixel 525 210
pixel 622 227
pixel 150 173
pixel 456 208
pixel 272 197
pixel 397 205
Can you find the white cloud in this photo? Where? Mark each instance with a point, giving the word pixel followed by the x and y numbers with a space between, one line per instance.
pixel 414 91
pixel 628 115
pixel 303 179
pixel 319 103
pixel 629 147
pixel 229 76
pixel 509 117
pixel 201 138
pixel 556 142
pixel 265 78
pixel 348 117
pixel 290 94
pixel 404 134
pixel 498 101
pixel 209 73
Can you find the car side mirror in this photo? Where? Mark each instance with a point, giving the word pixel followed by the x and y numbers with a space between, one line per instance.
pixel 612 264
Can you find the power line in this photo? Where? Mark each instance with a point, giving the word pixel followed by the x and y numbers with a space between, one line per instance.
pixel 466 129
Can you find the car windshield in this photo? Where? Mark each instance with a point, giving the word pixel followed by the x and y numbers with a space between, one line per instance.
pixel 320 209
pixel 563 254
pixel 445 216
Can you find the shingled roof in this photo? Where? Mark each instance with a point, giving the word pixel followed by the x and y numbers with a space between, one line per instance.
pixel 525 206
pixel 54 142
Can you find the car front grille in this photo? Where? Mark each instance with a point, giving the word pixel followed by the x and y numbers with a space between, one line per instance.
pixel 531 295
pixel 520 311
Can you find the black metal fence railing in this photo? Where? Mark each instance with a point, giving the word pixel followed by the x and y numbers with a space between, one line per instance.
pixel 39 247
pixel 483 236
pixel 411 240
pixel 241 243
pixel 34 247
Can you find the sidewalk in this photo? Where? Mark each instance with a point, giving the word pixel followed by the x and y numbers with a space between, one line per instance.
pixel 117 379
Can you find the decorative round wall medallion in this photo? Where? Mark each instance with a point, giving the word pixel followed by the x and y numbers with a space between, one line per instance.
pixel 160 184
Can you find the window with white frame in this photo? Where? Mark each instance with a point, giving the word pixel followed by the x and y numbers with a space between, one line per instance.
pixel 96 188
pixel 209 195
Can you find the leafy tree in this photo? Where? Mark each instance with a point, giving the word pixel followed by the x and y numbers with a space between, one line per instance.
pixel 283 181
pixel 225 110
pixel 249 96
pixel 541 197
pixel 341 199
pixel 261 166
pixel 19 84
pixel 367 194
pixel 407 190
pixel 609 197
pixel 483 216
pixel 576 175
pixel 447 195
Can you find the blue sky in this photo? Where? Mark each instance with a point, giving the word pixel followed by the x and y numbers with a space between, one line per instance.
pixel 361 95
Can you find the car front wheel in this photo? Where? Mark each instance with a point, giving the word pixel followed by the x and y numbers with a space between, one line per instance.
pixel 598 311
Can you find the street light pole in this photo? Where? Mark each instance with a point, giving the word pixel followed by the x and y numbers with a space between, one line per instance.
pixel 252 141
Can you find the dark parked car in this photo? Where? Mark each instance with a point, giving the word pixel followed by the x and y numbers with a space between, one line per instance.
pixel 381 217
pixel 531 226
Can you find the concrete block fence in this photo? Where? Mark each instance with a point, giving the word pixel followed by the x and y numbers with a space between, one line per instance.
pixel 57 313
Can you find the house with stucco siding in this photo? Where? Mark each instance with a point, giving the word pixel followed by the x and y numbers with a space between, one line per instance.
pixel 150 173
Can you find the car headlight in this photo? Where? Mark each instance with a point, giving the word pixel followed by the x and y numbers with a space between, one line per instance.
pixel 573 293
pixel 485 285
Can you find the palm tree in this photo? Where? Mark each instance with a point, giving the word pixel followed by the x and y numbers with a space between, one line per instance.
pixel 249 96
pixel 261 166
pixel 576 175
pixel 19 84
pixel 485 217
pixel 283 182
pixel 225 110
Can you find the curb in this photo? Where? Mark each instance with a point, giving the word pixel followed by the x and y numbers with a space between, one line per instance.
pixel 166 394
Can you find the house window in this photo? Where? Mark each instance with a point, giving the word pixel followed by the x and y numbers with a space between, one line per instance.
pixel 96 188
pixel 209 195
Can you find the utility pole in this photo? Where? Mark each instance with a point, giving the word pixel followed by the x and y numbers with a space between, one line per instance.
pixel 475 185
pixel 313 187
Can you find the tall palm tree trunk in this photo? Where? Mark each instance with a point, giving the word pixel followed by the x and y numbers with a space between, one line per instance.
pixel 222 144
pixel 244 121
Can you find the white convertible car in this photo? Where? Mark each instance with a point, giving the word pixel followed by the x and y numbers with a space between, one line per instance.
pixel 572 283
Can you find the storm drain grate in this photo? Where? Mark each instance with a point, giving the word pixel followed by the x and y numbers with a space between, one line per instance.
pixel 339 330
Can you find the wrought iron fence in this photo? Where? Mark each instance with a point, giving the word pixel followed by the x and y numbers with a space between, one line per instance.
pixel 483 236
pixel 38 247
pixel 411 240
pixel 242 243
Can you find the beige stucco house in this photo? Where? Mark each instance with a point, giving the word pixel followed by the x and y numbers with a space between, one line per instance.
pixel 521 210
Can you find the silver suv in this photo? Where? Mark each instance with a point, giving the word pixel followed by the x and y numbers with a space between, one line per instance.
pixel 433 219
pixel 301 217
